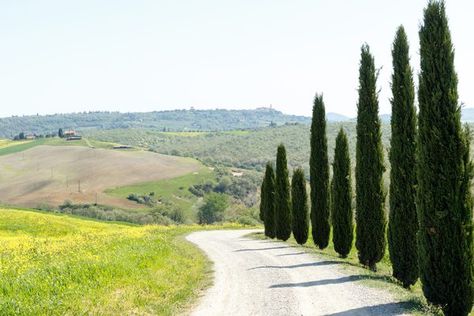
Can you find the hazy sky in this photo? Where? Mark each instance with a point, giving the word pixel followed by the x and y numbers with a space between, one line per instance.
pixel 69 56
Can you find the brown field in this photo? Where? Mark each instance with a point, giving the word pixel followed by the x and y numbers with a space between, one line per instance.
pixel 52 174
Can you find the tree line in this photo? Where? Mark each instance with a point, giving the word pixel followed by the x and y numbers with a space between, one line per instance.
pixel 430 226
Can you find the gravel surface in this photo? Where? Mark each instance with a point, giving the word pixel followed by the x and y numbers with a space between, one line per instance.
pixel 263 277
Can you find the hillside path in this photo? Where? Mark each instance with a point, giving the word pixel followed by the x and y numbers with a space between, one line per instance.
pixel 263 277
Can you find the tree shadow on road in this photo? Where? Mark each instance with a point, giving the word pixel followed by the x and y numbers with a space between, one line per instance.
pixel 301 265
pixel 259 249
pixel 350 278
pixel 388 309
pixel 259 241
pixel 291 254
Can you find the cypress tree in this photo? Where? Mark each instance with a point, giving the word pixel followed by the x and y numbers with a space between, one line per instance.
pixel 370 215
pixel 269 201
pixel 319 175
pixel 299 207
pixel 282 196
pixel 341 197
pixel 444 173
pixel 261 214
pixel 403 225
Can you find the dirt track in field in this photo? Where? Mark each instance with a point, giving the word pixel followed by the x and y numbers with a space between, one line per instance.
pixel 52 174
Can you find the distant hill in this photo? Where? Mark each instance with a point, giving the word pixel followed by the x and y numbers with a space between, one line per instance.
pixel 336 117
pixel 176 120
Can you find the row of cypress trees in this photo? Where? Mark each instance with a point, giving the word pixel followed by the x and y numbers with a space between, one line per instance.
pixel 285 210
pixel 430 229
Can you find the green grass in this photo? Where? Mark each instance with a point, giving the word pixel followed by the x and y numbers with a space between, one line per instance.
pixel 56 265
pixel 9 147
pixel 382 278
pixel 174 190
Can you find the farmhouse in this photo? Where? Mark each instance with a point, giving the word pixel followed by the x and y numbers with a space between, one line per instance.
pixel 69 133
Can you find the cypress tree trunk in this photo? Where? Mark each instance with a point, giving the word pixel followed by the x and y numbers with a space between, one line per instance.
pixel 299 206
pixel 444 172
pixel 341 197
pixel 282 196
pixel 319 175
pixel 403 224
pixel 370 215
pixel 269 201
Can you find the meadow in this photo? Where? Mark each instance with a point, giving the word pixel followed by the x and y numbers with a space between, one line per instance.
pixel 57 265
pixel 174 190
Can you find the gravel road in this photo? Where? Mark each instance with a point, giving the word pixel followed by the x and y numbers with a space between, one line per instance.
pixel 263 277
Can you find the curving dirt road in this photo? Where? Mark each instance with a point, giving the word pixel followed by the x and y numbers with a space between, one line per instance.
pixel 262 277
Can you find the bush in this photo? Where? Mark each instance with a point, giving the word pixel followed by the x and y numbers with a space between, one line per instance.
pixel 213 208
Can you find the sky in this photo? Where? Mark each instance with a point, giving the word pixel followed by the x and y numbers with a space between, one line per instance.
pixel 111 55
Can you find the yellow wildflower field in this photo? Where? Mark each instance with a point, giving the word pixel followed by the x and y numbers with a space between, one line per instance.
pixel 55 265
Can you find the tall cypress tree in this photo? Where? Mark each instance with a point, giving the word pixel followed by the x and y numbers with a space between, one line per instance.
pixel 319 175
pixel 444 173
pixel 370 215
pixel 403 225
pixel 299 206
pixel 268 201
pixel 261 214
pixel 341 197
pixel 282 196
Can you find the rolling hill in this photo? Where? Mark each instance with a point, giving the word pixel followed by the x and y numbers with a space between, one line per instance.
pixel 176 120
pixel 52 174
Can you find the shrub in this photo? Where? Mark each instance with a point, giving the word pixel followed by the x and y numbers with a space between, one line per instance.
pixel 213 208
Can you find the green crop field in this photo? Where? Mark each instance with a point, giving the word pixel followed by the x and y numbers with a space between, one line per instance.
pixel 10 147
pixel 56 265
